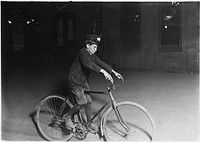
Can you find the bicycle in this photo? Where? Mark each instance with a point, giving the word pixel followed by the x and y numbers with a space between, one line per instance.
pixel 120 120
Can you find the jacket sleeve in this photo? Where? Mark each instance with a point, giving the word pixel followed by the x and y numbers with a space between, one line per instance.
pixel 103 64
pixel 87 61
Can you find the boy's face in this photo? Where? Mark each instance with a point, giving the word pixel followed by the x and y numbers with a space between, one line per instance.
pixel 92 48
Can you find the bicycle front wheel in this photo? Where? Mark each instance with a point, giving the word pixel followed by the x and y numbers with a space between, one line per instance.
pixel 49 118
pixel 133 116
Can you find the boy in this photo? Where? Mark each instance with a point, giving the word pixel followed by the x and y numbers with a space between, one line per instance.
pixel 85 62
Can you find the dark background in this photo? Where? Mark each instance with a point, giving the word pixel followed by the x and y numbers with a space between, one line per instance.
pixel 45 33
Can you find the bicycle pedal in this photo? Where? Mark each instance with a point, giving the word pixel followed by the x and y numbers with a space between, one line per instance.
pixel 70 129
pixel 93 131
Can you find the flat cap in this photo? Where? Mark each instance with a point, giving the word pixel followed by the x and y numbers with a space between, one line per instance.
pixel 93 38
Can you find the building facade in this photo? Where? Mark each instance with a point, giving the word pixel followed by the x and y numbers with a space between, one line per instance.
pixel 153 36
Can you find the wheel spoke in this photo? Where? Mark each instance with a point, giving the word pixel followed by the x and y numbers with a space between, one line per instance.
pixel 62 107
pixel 50 106
pixel 48 118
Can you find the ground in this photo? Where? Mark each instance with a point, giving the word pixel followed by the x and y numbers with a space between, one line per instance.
pixel 171 98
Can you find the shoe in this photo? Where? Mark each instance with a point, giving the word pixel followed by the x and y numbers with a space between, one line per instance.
pixel 68 123
pixel 94 128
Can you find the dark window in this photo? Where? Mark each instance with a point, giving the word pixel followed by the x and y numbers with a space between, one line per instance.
pixel 130 26
pixel 97 18
pixel 17 30
pixel 97 26
pixel 170 27
pixel 65 29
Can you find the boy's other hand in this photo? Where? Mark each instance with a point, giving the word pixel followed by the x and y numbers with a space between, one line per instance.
pixel 107 75
pixel 119 76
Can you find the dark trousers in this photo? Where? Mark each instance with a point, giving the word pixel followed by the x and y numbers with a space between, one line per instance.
pixel 84 101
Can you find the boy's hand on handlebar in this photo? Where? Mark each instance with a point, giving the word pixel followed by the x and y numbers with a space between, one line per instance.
pixel 119 76
pixel 107 75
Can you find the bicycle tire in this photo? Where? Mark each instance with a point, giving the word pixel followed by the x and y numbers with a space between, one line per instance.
pixel 113 130
pixel 49 114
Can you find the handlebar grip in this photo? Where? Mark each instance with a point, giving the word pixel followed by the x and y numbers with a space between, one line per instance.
pixel 122 79
pixel 113 85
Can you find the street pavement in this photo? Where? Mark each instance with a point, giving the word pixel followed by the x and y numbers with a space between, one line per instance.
pixel 171 98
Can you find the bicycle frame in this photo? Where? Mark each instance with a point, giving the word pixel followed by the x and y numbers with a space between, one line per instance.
pixel 111 103
pixel 105 106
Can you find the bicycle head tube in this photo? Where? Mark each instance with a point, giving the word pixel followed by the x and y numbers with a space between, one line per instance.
pixel 113 85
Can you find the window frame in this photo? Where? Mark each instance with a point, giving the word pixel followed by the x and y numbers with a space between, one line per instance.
pixel 139 49
pixel 172 47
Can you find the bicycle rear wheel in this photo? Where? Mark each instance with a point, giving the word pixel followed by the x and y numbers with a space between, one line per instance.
pixel 135 116
pixel 49 118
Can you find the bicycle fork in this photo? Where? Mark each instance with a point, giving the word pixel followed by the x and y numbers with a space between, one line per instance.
pixel 125 126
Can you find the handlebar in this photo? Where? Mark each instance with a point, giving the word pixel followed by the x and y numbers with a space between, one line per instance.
pixel 113 85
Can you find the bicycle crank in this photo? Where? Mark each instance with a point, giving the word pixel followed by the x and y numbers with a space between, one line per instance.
pixel 81 131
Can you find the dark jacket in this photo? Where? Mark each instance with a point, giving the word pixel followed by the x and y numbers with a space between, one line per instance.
pixel 82 66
